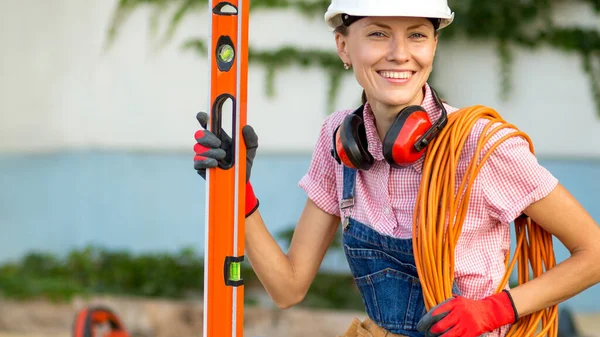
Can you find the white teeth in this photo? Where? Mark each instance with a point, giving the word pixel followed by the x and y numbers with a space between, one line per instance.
pixel 396 74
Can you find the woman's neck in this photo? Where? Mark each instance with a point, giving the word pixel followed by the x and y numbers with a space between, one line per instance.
pixel 385 114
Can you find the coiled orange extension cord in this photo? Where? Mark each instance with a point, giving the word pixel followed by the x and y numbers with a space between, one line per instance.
pixel 441 209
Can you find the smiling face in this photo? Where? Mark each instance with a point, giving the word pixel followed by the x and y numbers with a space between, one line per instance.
pixel 391 57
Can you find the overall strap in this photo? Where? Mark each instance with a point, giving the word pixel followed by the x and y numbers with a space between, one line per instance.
pixel 349 181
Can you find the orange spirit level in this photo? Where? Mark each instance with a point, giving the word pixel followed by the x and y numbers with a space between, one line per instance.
pixel 224 235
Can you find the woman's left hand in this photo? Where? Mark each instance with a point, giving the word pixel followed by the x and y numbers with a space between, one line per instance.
pixel 462 317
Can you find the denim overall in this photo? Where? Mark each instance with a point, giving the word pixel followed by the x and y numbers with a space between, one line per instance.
pixel 384 270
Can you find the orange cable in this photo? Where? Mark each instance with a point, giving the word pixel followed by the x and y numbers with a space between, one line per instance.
pixel 441 207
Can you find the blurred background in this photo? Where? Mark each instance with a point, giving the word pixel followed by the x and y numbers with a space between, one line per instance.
pixel 98 197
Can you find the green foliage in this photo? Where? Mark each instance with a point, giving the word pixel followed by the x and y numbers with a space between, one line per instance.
pixel 507 23
pixel 38 275
pixel 97 271
pixel 333 291
pixel 94 271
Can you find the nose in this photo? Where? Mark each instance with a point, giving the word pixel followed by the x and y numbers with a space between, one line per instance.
pixel 399 51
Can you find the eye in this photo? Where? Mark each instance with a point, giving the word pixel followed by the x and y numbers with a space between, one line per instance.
pixel 417 36
pixel 377 34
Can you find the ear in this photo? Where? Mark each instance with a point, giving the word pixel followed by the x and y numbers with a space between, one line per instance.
pixel 341 43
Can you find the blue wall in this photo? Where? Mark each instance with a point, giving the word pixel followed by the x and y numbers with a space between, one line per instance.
pixel 144 202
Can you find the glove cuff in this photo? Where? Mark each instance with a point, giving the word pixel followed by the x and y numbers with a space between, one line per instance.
pixel 251 200
pixel 506 312
pixel 512 304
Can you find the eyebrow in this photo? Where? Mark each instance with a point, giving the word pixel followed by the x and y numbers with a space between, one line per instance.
pixel 379 25
pixel 417 26
pixel 388 27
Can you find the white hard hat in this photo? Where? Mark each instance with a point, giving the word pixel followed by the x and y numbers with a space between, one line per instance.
pixel 435 9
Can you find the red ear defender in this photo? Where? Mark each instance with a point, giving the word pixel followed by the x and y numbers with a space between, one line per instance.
pixel 350 145
pixel 406 130
pixel 342 157
pixel 410 133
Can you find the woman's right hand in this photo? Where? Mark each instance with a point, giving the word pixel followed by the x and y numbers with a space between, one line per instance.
pixel 209 150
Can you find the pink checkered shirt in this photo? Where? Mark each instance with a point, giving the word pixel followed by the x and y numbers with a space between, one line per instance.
pixel 510 180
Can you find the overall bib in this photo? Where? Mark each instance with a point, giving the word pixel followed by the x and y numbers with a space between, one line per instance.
pixel 384 270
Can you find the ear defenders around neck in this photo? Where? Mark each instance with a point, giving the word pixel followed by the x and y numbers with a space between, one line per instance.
pixel 403 144
pixel 88 320
pixel 350 142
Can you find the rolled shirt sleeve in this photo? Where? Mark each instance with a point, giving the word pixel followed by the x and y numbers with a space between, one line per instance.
pixel 512 178
pixel 319 182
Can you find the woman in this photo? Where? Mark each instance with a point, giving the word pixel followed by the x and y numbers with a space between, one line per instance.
pixel 390 45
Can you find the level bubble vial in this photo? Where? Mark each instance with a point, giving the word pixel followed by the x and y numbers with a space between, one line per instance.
pixel 226 53
pixel 235 271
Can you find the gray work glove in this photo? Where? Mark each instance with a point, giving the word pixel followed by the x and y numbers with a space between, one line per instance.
pixel 209 149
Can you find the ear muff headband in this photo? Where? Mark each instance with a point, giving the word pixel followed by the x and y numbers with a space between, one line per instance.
pixel 436 127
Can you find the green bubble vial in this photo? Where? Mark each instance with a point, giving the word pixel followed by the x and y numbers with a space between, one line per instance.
pixel 235 271
pixel 226 53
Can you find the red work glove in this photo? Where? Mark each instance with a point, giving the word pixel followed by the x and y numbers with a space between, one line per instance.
pixel 251 200
pixel 209 149
pixel 462 317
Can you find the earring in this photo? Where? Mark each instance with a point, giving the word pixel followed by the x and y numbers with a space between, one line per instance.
pixel 346 66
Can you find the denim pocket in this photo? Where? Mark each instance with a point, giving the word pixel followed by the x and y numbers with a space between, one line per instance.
pixel 390 289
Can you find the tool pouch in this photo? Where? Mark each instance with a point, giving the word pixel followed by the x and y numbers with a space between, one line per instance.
pixel 367 328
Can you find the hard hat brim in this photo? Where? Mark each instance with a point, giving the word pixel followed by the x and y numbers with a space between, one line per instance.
pixel 334 19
